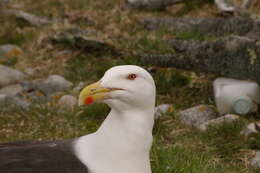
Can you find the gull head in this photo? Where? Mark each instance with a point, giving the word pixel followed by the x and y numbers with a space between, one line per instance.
pixel 122 87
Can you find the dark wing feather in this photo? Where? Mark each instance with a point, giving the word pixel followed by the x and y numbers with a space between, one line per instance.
pixel 39 157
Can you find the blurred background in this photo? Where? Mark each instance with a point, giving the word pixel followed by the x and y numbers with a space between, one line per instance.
pixel 50 49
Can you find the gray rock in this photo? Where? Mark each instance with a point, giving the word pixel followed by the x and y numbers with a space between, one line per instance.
pixel 218 121
pixel 250 129
pixel 2 99
pixel 68 101
pixel 150 4
pixel 4 2
pixel 162 109
pixel 225 5
pixel 9 76
pixel 19 102
pixel 53 84
pixel 197 115
pixel 31 71
pixel 233 57
pixel 82 39
pixel 80 86
pixel 255 162
pixel 9 50
pixel 217 26
pixel 11 90
pixel 30 18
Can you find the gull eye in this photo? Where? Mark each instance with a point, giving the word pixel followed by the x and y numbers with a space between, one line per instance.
pixel 131 76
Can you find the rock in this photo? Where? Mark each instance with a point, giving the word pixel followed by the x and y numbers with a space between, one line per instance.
pixel 11 90
pixel 53 84
pixel 19 102
pixel 217 26
pixel 9 50
pixel 218 121
pixel 197 115
pixel 9 76
pixel 4 2
pixel 250 129
pixel 233 57
pixel 255 162
pixel 68 101
pixel 30 71
pixel 162 109
pixel 80 16
pixel 246 4
pixel 82 39
pixel 2 99
pixel 30 18
pixel 80 86
pixel 150 4
pixel 225 5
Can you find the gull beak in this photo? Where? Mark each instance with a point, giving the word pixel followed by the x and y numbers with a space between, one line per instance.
pixel 92 93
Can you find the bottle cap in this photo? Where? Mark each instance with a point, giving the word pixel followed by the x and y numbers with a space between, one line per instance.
pixel 242 105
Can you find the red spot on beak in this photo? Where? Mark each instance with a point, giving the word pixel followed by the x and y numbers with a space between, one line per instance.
pixel 89 100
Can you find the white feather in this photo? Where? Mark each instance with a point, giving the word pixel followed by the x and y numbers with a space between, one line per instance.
pixel 123 141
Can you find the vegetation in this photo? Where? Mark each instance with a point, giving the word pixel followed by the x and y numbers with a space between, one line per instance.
pixel 177 148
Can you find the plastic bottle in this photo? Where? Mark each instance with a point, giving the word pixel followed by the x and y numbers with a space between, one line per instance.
pixel 236 96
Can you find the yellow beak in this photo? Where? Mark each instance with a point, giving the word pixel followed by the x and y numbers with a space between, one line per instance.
pixel 93 93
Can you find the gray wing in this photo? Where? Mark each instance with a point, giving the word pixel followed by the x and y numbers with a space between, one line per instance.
pixel 40 157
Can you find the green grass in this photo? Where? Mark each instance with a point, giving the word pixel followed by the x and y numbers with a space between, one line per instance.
pixel 176 148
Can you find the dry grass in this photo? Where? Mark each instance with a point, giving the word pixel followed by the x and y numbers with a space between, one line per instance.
pixel 177 148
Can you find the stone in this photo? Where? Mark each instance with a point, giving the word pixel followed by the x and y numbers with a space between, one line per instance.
pixel 9 50
pixel 150 4
pixel 53 84
pixel 9 76
pixel 250 129
pixel 225 5
pixel 217 26
pixel 11 90
pixel 30 18
pixel 229 118
pixel 80 86
pixel 197 115
pixel 2 99
pixel 4 2
pixel 19 102
pixel 68 101
pixel 255 162
pixel 82 39
pixel 162 109
pixel 232 57
pixel 30 71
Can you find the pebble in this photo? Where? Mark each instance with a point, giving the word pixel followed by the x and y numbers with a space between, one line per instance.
pixel 198 115
pixel 162 109
pixel 19 102
pixel 218 121
pixel 68 101
pixel 250 129
pixel 2 98
pixel 11 90
pixel 9 50
pixel 80 86
pixel 255 162
pixel 30 18
pixel 53 84
pixel 9 76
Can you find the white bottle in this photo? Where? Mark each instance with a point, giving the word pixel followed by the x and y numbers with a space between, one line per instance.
pixel 236 96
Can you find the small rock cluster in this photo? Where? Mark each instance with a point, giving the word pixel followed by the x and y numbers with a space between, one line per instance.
pixel 16 91
pixel 204 116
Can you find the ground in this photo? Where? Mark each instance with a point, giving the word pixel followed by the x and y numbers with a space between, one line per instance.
pixel 176 148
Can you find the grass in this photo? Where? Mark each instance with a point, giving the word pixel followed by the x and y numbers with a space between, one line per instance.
pixel 177 148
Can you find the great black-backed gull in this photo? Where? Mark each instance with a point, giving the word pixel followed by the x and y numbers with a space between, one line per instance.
pixel 121 144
